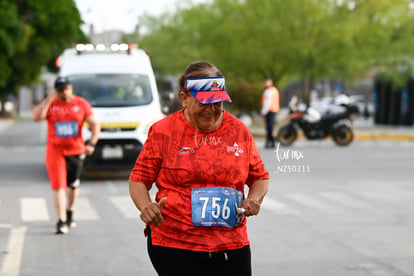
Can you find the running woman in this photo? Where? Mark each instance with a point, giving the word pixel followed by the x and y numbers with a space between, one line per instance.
pixel 200 158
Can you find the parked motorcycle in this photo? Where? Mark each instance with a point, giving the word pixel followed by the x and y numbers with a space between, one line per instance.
pixel 315 126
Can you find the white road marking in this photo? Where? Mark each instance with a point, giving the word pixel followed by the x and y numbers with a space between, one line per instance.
pixel 34 209
pixel 125 205
pixel 347 201
pixel 381 197
pixel 375 269
pixel 86 210
pixel 13 256
pixel 278 207
pixel 312 203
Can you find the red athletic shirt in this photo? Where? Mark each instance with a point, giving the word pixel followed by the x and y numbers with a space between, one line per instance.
pixel 64 121
pixel 178 157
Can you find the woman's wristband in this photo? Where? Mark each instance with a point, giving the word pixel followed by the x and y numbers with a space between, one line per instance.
pixel 91 144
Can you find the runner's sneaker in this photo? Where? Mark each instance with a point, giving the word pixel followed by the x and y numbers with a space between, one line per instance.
pixel 69 219
pixel 61 227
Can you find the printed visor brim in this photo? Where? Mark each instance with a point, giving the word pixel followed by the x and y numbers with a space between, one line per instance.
pixel 208 97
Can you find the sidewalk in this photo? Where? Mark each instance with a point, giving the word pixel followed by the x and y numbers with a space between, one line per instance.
pixel 364 129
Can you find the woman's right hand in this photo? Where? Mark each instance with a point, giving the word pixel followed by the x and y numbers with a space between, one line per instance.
pixel 151 213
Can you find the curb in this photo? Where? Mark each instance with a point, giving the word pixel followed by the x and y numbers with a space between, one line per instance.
pixel 6 121
pixel 388 137
pixel 363 136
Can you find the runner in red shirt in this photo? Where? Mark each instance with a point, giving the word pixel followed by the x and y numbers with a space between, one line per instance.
pixel 200 159
pixel 65 114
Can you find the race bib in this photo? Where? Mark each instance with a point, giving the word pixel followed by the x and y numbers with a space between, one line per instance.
pixel 216 206
pixel 66 129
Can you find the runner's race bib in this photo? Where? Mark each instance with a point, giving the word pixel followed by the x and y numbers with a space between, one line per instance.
pixel 66 129
pixel 216 206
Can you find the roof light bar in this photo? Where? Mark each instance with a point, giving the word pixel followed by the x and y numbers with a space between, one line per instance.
pixel 80 47
pixel 101 47
pixel 123 47
pixel 89 47
pixel 115 47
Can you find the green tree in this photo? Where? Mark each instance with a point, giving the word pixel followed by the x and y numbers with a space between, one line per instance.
pixel 308 40
pixel 33 34
pixel 10 35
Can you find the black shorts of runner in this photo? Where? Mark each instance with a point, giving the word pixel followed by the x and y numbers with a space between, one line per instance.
pixel 74 167
pixel 173 261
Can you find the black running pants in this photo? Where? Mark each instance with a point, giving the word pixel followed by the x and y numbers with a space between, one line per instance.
pixel 171 261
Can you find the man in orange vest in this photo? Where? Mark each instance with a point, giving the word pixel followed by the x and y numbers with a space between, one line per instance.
pixel 270 107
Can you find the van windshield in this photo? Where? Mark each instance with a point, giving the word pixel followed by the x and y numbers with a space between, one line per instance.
pixel 115 90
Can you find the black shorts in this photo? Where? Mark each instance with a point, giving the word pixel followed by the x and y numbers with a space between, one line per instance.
pixel 173 261
pixel 74 167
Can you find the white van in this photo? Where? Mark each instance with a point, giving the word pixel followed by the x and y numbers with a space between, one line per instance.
pixel 119 82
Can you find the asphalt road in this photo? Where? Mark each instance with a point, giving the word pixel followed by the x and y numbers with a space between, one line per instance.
pixel 329 211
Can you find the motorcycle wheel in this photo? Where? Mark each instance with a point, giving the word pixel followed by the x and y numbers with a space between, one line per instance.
pixel 343 136
pixel 287 135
